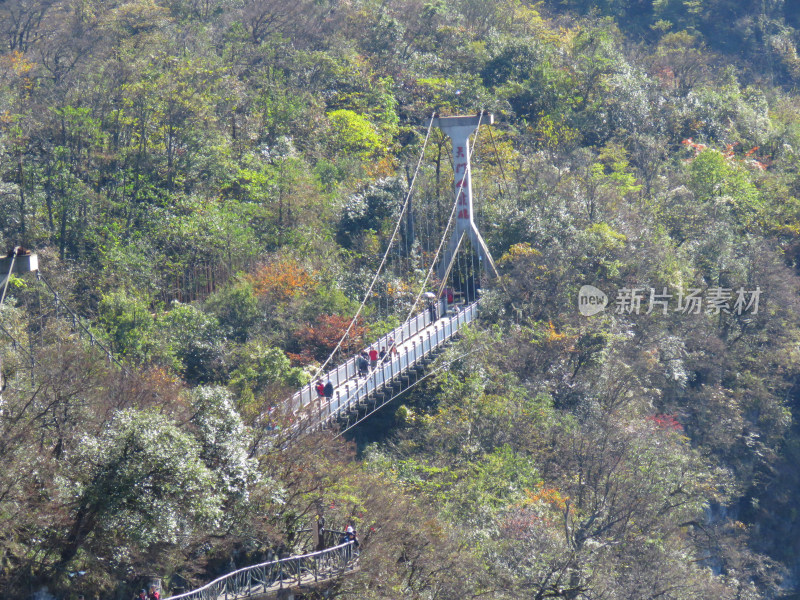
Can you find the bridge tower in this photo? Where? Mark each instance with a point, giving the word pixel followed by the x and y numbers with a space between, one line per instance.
pixel 459 129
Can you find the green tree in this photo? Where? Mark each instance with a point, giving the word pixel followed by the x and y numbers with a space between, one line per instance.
pixel 196 341
pixel 236 308
pixel 130 326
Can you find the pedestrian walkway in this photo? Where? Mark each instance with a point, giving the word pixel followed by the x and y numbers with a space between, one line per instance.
pixel 268 580
pixel 417 342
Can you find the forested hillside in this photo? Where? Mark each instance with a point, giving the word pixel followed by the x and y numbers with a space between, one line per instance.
pixel 210 186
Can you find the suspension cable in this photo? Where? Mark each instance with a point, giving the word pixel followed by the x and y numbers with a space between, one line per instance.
pixel 517 310
pixel 383 261
pixel 449 223
pixel 499 161
pixel 438 250
pixel 77 320
pixel 16 343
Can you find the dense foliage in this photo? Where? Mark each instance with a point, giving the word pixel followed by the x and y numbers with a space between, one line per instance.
pixel 210 186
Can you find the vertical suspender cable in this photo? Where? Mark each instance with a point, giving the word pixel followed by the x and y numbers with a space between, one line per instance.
pixel 446 229
pixel 383 261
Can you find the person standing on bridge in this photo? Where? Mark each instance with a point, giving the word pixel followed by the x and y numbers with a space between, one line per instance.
pixel 432 311
pixel 350 533
pixel 363 364
pixel 328 390
pixel 373 357
pixel 320 387
pixel 320 533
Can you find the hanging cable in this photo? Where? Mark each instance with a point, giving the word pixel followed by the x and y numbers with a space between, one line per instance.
pixel 447 228
pixel 76 319
pixel 383 261
pixel 15 343
pixel 474 273
pixel 450 222
pixel 499 161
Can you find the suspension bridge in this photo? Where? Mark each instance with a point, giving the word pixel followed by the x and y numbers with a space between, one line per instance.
pixel 433 320
pixel 354 394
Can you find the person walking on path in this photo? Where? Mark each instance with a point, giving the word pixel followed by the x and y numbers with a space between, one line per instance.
pixel 320 387
pixel 328 390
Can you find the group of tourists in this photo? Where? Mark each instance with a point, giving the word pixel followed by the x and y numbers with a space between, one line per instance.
pixel 369 359
pixel 324 390
pixel 153 594
pixel 366 360
pixel 348 535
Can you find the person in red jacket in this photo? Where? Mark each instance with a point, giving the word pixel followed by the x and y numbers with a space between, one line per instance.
pixel 373 357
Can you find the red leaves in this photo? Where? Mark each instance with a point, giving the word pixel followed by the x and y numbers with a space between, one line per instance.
pixel 666 422
pixel 729 154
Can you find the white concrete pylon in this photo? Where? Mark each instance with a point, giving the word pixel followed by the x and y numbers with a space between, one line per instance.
pixel 459 129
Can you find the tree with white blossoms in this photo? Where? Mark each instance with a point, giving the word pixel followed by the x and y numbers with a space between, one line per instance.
pixel 140 483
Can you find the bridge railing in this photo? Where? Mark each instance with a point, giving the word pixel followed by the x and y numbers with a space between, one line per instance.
pixel 347 370
pixel 394 365
pixel 277 575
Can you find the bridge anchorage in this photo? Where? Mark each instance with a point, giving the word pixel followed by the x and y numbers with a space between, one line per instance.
pixel 413 345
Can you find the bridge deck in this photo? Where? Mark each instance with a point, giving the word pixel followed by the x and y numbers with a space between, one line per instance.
pixel 267 580
pixel 415 343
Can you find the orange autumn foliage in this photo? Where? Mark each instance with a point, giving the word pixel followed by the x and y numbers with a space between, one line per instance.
pixel 282 280
pixel 549 496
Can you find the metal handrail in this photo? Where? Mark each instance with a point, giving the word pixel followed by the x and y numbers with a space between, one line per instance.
pixel 348 369
pixel 278 574
pixel 393 366
pixel 333 562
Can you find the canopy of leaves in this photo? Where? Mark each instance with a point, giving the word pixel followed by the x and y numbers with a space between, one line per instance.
pixel 210 187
